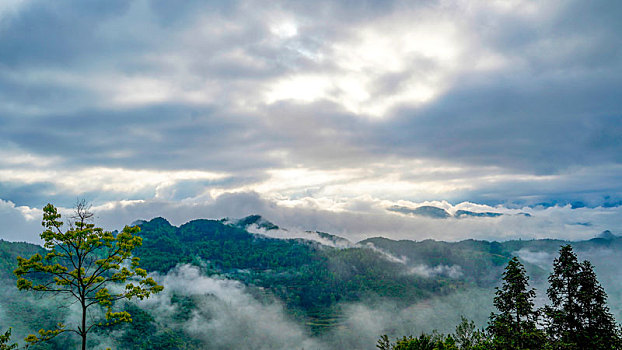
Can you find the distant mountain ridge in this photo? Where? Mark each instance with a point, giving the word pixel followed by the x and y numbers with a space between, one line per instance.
pixel 256 220
pixel 465 213
pixel 312 278
pixel 252 222
pixel 425 210
pixel 440 213
pixel 607 235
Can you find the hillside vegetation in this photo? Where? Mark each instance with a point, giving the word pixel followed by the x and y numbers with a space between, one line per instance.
pixel 313 281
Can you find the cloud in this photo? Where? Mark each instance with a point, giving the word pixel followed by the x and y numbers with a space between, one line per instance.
pixel 375 220
pixel 400 260
pixel 335 106
pixel 322 238
pixel 365 218
pixel 20 223
pixel 227 315
pixel 454 271
pixel 541 259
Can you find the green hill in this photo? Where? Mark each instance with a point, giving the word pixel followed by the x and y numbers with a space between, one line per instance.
pixel 313 281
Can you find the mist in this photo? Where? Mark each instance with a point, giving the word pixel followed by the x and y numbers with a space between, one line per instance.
pixel 230 315
pixel 227 314
pixel 366 218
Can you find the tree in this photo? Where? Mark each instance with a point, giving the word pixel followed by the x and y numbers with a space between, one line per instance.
pixel 469 338
pixel 384 343
pixel 424 342
pixel 599 327
pixel 4 341
pixel 433 341
pixel 563 313
pixel 578 317
pixel 82 263
pixel 515 327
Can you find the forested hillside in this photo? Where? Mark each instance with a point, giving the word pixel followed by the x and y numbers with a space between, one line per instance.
pixel 303 273
pixel 315 283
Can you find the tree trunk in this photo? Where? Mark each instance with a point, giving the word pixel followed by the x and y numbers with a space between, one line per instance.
pixel 83 326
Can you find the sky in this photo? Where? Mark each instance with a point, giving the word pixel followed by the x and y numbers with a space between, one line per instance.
pixel 318 115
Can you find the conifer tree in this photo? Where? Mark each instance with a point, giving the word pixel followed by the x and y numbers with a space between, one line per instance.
pixel 599 330
pixel 578 317
pixel 563 314
pixel 515 325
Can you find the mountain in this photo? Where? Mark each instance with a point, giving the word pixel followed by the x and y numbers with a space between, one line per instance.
pixel 306 274
pixel 466 213
pixel 303 273
pixel 481 262
pixel 426 210
pixel 316 283
pixel 9 251
pixel 256 220
pixel 440 213
pixel 607 235
pixel 336 240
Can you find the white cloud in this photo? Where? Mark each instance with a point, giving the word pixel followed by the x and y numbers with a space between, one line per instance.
pixel 470 101
pixel 284 30
pixel 20 223
pixel 370 219
pixel 227 316
pixel 454 271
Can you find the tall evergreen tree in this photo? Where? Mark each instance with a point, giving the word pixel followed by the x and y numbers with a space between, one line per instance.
pixel 578 317
pixel 562 315
pixel 599 330
pixel 515 325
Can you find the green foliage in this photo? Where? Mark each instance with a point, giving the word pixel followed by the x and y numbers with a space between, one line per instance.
pixel 480 261
pixel 466 337
pixel 9 251
pixel 5 339
pixel 159 336
pixel 578 317
pixel 470 338
pixel 423 342
pixel 384 343
pixel 563 313
pixel 81 263
pixel 304 274
pixel 599 327
pixel 515 325
pixel 311 279
pixel 433 341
